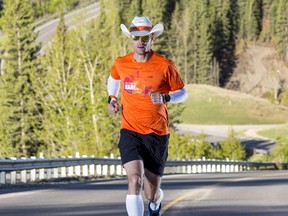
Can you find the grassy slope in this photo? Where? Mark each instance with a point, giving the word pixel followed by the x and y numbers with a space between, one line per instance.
pixel 212 105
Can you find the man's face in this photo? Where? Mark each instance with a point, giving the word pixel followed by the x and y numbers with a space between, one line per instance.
pixel 141 44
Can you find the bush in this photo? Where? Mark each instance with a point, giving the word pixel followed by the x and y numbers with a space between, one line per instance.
pixel 280 150
pixel 232 148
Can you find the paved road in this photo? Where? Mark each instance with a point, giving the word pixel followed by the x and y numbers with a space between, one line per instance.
pixel 249 193
pixel 223 130
pixel 217 133
pixel 47 30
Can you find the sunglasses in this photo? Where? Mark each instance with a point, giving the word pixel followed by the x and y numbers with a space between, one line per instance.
pixel 143 38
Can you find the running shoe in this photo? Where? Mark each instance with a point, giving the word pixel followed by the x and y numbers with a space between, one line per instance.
pixel 154 212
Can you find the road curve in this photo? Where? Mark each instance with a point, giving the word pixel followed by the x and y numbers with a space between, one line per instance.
pixel 217 133
pixel 47 30
pixel 223 130
pixel 229 194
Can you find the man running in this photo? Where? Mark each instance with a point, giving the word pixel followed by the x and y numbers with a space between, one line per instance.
pixel 148 81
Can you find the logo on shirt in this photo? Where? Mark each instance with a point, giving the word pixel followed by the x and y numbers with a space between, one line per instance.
pixel 135 84
pixel 130 86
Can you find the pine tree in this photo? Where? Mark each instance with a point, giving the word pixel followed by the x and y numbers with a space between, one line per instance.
pixel 102 130
pixel 181 43
pixel 202 148
pixel 74 92
pixel 232 148
pixel 266 34
pixel 58 92
pixel 272 18
pixel 20 68
pixel 204 50
pixel 243 17
pixel 129 9
pixel 281 27
pixel 155 11
pixel 191 45
pixel 251 13
pixel 224 29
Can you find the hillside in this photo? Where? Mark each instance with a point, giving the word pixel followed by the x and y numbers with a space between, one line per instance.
pixel 258 71
pixel 213 105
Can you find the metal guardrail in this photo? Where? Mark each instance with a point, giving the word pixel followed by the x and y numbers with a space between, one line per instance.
pixel 9 165
pixel 13 171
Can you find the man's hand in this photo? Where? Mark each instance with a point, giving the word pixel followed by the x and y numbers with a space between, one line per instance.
pixel 156 97
pixel 113 107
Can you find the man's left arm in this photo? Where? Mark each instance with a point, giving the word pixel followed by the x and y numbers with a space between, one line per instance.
pixel 178 96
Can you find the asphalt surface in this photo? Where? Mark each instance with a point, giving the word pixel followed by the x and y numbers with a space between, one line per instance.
pixel 218 194
pixel 47 30
pixel 217 133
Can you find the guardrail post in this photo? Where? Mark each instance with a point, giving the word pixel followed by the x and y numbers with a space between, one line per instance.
pixel 13 174
pixel 2 177
pixel 119 170
pixel 232 167
pixel 194 168
pixel 48 173
pixel 241 167
pixel 23 174
pixel 223 168
pixel 204 165
pixel 178 168
pixel 213 166
pixel 33 172
pixel 236 168
pixel 77 168
pixel 85 168
pixel 166 170
pixel 92 168
pixel 183 169
pixel 227 165
pixel 112 167
pixel 55 173
pixel 105 169
pixel 41 171
pixel 209 166
pixel 63 171
pixel 99 170
pixel 189 169
pixel 173 170
pixel 218 167
pixel 70 169
pixel 199 166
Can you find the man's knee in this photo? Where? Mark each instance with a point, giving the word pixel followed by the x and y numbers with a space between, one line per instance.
pixel 136 182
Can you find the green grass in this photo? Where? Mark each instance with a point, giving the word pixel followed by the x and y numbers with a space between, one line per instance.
pixel 275 133
pixel 213 105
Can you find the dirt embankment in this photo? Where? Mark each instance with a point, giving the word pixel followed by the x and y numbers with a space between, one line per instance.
pixel 259 72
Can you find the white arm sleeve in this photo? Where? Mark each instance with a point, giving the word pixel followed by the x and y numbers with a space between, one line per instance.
pixel 178 96
pixel 113 86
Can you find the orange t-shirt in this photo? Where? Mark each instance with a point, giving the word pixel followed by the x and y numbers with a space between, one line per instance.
pixel 138 80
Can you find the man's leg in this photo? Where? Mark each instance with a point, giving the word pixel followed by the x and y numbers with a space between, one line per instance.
pixel 152 189
pixel 135 174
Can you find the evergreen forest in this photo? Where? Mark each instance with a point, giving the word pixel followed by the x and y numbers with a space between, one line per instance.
pixel 56 102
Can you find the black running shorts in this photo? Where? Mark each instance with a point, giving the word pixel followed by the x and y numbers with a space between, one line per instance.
pixel 151 148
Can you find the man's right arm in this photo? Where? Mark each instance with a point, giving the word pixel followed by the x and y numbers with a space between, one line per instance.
pixel 113 87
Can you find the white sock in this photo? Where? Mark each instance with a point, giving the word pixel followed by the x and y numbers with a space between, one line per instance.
pixel 155 206
pixel 134 205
